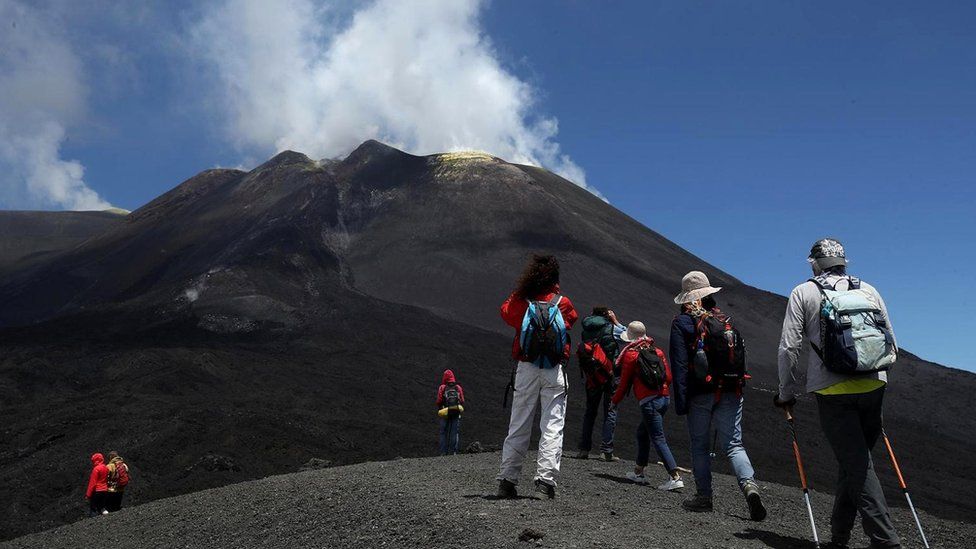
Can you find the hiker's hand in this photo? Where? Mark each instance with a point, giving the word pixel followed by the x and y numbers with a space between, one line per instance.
pixel 613 317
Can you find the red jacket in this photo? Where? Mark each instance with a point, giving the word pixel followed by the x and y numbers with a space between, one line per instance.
pixel 448 378
pixel 98 481
pixel 513 311
pixel 629 375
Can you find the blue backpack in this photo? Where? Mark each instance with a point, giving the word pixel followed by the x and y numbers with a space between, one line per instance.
pixel 544 337
pixel 854 336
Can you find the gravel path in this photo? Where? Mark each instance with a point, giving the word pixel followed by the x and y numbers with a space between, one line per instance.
pixel 447 502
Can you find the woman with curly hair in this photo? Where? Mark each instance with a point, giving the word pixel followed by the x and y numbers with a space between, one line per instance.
pixel 541 350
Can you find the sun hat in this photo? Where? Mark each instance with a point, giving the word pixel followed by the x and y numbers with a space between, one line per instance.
pixel 827 252
pixel 694 286
pixel 635 331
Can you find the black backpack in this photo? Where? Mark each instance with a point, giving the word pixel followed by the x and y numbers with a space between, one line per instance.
pixel 724 352
pixel 650 368
pixel 452 399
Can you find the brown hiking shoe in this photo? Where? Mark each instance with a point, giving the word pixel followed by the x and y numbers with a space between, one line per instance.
pixel 608 456
pixel 698 504
pixel 506 489
pixel 757 511
pixel 544 491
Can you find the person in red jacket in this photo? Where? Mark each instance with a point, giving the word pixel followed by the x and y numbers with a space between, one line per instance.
pixel 537 379
pixel 652 399
pixel 450 406
pixel 97 486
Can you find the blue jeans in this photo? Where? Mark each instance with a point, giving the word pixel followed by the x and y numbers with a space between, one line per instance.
pixel 726 417
pixel 651 429
pixel 450 435
pixel 594 397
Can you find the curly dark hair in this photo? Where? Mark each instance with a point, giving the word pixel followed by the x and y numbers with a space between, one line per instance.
pixel 538 277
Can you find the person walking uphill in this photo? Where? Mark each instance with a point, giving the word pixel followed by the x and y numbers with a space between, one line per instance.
pixel 644 366
pixel 708 361
pixel 848 381
pixel 97 486
pixel 597 354
pixel 542 319
pixel 450 406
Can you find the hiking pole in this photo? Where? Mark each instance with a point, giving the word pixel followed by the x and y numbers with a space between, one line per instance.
pixel 904 487
pixel 803 477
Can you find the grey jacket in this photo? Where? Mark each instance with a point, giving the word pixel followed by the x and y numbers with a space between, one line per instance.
pixel 802 324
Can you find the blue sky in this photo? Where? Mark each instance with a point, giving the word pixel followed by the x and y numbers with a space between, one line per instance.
pixel 773 123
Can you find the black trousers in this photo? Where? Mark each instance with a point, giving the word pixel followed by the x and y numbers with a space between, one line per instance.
pixel 852 425
pixel 113 501
pixel 97 503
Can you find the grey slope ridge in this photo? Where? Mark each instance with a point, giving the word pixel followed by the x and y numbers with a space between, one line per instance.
pixel 448 502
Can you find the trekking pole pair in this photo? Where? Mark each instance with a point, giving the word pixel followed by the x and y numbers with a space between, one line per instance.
pixel 806 491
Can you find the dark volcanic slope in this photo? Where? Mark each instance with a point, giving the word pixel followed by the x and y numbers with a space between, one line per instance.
pixel 446 502
pixel 304 309
pixel 28 236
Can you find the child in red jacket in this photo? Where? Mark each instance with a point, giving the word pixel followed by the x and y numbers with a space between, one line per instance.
pixel 97 486
pixel 641 354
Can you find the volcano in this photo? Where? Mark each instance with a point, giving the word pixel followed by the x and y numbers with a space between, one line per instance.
pixel 244 323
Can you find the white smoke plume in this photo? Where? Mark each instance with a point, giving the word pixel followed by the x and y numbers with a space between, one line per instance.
pixel 419 75
pixel 41 94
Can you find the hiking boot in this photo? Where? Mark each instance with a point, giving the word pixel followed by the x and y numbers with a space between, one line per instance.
pixel 506 489
pixel 672 484
pixel 698 504
pixel 544 491
pixel 583 454
pixel 608 456
pixel 757 511
pixel 637 479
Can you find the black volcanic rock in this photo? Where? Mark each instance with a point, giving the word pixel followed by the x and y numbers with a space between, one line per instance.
pixel 449 502
pixel 306 309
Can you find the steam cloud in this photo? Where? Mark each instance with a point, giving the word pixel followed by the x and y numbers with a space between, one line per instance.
pixel 418 75
pixel 42 93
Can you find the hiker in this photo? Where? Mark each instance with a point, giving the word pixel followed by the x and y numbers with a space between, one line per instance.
pixel 117 480
pixel 644 366
pixel 849 388
pixel 597 354
pixel 97 486
pixel 542 319
pixel 450 406
pixel 708 362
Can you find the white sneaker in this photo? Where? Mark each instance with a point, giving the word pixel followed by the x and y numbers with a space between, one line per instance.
pixel 104 512
pixel 672 484
pixel 637 479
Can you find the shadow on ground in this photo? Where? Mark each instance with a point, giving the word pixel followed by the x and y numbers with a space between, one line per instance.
pixel 774 540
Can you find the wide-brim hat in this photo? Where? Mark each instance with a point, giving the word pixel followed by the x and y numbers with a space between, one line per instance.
pixel 635 331
pixel 694 286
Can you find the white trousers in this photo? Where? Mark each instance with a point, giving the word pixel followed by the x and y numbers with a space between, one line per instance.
pixel 532 386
